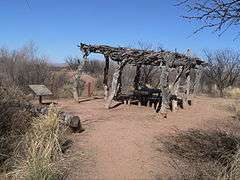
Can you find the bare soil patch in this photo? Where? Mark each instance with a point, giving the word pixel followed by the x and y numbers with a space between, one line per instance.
pixel 121 143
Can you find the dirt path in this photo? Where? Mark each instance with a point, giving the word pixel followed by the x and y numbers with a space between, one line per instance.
pixel 121 143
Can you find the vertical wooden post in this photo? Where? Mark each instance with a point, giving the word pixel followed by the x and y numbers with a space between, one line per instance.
pixel 119 84
pixel 175 94
pixel 175 89
pixel 148 103
pixel 186 89
pixel 165 89
pixel 105 78
pixel 139 103
pixel 185 85
pixel 197 80
pixel 77 77
pixel 137 76
pixel 75 87
pixel 191 86
pixel 89 89
pixel 40 99
pixel 115 84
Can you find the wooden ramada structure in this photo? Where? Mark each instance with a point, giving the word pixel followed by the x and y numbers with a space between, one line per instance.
pixel 188 71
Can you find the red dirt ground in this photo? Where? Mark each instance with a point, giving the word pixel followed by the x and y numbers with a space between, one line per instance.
pixel 121 143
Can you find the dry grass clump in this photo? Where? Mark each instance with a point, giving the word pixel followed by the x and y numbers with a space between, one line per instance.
pixel 203 154
pixel 236 110
pixel 233 171
pixel 13 123
pixel 201 145
pixel 233 93
pixel 206 154
pixel 40 152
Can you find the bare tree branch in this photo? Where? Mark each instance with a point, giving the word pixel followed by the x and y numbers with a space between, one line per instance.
pixel 223 68
pixel 219 15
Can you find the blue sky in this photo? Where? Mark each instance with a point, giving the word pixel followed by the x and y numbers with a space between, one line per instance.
pixel 57 26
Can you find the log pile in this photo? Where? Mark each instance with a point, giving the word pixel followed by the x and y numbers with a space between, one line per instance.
pixel 167 60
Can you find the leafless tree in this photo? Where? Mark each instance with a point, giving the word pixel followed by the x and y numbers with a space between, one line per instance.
pixel 218 15
pixel 73 62
pixel 95 67
pixel 223 68
pixel 23 67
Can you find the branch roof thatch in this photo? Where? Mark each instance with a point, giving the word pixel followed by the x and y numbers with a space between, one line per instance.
pixel 143 57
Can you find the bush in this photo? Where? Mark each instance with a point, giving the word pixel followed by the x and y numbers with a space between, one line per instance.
pixel 14 123
pixel 30 146
pixel 40 153
pixel 59 83
pixel 23 67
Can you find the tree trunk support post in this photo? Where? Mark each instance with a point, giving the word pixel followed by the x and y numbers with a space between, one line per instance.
pixel 175 96
pixel 40 99
pixel 137 76
pixel 185 84
pixel 105 78
pixel 115 84
pixel 77 77
pixel 186 90
pixel 119 90
pixel 175 89
pixel 164 80
pixel 197 80
pixel 75 87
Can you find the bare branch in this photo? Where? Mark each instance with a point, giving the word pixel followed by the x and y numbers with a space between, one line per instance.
pixel 218 15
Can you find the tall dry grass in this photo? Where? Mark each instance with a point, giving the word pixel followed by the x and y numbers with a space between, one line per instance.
pixel 206 154
pixel 236 110
pixel 14 123
pixel 233 93
pixel 39 155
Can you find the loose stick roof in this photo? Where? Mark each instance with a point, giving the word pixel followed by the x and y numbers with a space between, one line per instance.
pixel 143 57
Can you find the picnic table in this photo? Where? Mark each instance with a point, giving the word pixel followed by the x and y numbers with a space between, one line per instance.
pixel 143 96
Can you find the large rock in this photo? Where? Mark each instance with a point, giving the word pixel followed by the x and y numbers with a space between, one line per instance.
pixel 73 122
